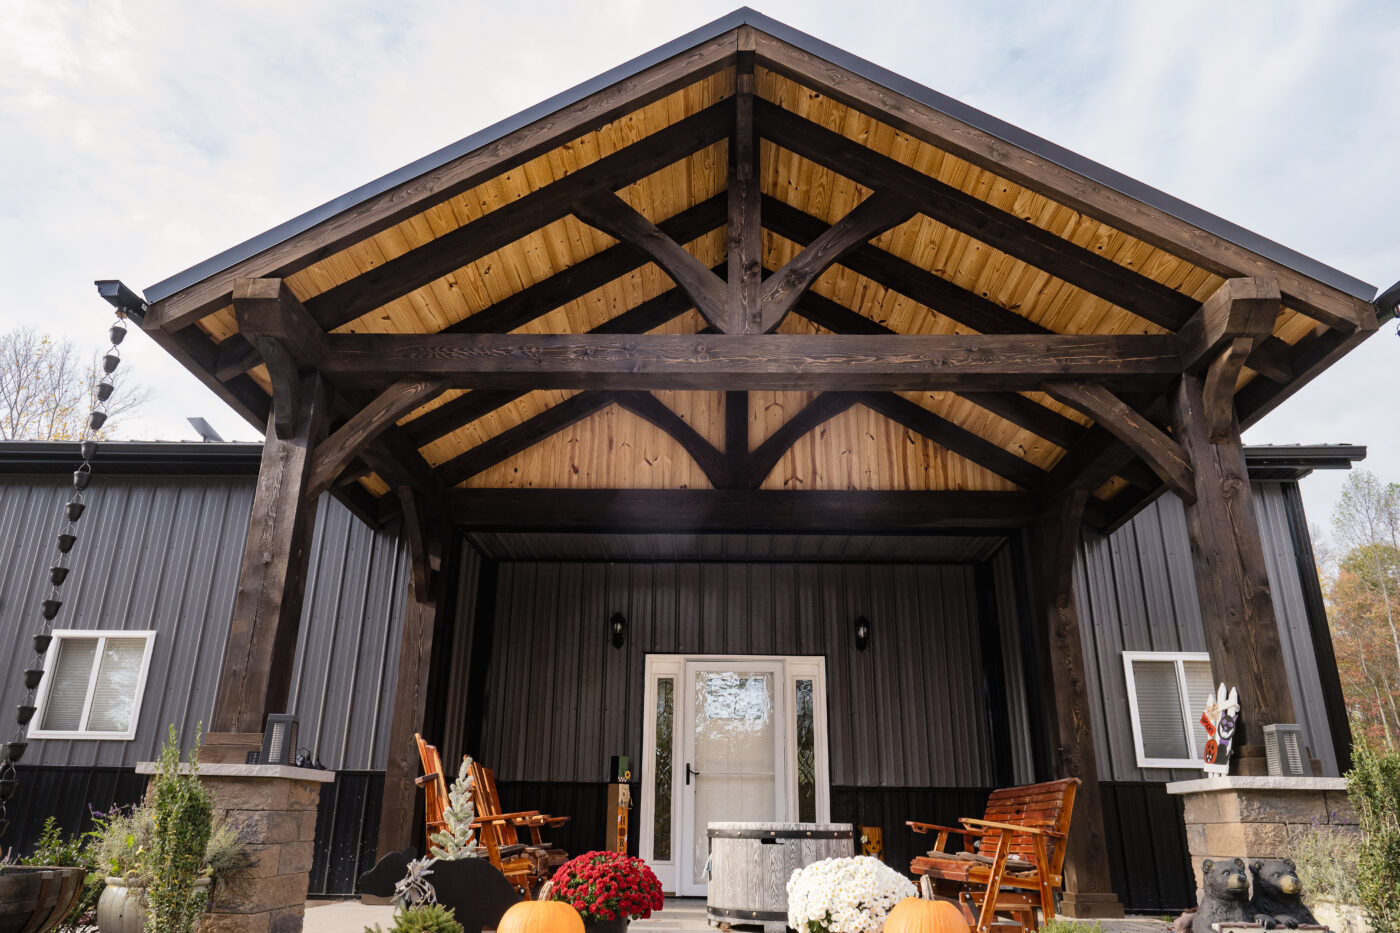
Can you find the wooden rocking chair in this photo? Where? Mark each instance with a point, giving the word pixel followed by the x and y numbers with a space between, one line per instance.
pixel 1013 858
pixel 525 864
pixel 434 788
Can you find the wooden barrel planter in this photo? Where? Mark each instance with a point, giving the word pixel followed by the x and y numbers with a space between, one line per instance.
pixel 750 864
pixel 35 899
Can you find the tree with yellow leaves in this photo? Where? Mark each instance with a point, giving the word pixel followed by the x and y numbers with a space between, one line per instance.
pixel 47 391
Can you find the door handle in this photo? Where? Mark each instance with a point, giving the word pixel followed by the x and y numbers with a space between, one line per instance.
pixel 688 772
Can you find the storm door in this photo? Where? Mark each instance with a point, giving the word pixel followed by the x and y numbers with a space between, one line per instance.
pixel 727 739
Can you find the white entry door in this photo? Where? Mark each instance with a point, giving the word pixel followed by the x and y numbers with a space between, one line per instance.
pixel 727 739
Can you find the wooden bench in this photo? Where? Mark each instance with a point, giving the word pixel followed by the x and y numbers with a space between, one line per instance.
pixel 1012 859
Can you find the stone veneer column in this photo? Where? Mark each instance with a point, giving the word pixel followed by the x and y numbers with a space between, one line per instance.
pixel 1258 817
pixel 275 807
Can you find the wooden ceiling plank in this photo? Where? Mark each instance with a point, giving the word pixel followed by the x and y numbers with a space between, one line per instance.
pixel 615 217
pixel 523 436
pixel 873 216
pixel 334 453
pixel 648 407
pixel 704 511
pixel 1141 436
pixel 451 251
pixel 1019 238
pixel 1003 362
pixel 1062 184
pixel 960 441
pixel 445 182
pixel 933 291
pixel 812 416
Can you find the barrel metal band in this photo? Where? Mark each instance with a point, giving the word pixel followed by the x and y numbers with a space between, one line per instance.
pixel 729 914
pixel 781 833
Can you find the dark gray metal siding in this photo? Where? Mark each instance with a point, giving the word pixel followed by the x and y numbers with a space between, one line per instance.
pixel 1136 591
pixel 907 712
pixel 163 553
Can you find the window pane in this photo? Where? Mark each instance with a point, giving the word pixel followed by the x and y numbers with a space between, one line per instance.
pixel 665 740
pixel 63 710
pixel 1159 710
pixel 806 755
pixel 115 693
pixel 1199 686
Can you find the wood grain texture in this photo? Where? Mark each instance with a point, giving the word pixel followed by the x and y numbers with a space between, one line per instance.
pixel 648 407
pixel 1240 309
pixel 336 451
pixel 745 234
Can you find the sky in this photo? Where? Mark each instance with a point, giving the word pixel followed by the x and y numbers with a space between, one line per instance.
pixel 139 137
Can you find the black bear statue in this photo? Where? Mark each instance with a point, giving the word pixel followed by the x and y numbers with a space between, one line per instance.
pixel 1224 895
pixel 1278 895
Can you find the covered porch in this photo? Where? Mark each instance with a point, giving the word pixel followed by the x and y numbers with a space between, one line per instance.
pixel 735 341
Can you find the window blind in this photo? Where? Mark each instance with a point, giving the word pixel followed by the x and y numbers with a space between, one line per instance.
pixel 1159 709
pixel 63 709
pixel 1199 686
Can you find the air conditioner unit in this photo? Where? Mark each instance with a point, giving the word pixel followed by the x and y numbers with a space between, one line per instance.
pixel 1283 749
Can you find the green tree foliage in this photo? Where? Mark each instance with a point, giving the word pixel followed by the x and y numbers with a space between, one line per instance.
pixel 1363 596
pixel 184 814
pixel 1373 785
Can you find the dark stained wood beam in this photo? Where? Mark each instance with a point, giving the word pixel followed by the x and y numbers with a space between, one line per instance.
pixel 617 218
pixel 648 407
pixel 752 361
pixel 523 436
pixel 1240 308
pixel 335 452
pixel 1232 580
pixel 1055 541
pixel 812 416
pixel 451 251
pixel 1219 387
pixel 736 435
pixel 1163 454
pixel 425 531
pixel 871 217
pixel 960 441
pixel 288 340
pixel 731 510
pixel 745 235
pixel 255 675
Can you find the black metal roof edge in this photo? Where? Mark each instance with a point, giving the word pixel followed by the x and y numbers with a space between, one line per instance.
pixel 193 457
pixel 1388 303
pixel 744 16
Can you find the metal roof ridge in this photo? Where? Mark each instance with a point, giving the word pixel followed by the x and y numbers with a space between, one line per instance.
pixel 746 16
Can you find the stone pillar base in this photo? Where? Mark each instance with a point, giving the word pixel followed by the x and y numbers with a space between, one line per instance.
pixel 275 807
pixel 1082 905
pixel 1250 817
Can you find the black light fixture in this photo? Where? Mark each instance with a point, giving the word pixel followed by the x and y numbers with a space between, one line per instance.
pixel 862 633
pixel 618 626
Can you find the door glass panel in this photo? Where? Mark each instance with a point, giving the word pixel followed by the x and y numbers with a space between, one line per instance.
pixel 806 754
pixel 665 742
pixel 735 754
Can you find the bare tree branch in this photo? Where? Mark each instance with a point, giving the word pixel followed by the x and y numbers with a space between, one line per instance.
pixel 47 391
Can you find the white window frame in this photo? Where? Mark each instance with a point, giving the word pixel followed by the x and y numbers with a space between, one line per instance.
pixel 1188 717
pixel 50 658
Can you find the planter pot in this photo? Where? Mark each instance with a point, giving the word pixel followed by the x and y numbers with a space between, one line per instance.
pixel 605 926
pixel 119 908
pixel 35 899
pixel 1341 918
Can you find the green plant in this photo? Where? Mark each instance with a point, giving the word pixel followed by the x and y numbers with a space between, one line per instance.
pixel 182 813
pixel 120 838
pixel 458 840
pixel 1326 860
pixel 227 852
pixel 1374 787
pixel 58 849
pixel 426 918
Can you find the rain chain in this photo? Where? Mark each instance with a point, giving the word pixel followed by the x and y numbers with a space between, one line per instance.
pixel 13 750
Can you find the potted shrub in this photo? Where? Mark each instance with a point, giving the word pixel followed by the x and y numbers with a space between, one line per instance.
pixel 845 895
pixel 415 902
pixel 608 889
pixel 29 898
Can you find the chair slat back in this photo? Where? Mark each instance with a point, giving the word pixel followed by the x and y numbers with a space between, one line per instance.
pixel 1043 806
pixel 488 803
pixel 434 792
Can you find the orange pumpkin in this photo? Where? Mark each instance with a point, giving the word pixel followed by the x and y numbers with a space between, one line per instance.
pixel 541 917
pixel 915 915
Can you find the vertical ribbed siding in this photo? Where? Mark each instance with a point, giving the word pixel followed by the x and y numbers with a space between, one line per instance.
pixel 904 713
pixel 163 553
pixel 1136 591
pixel 1008 626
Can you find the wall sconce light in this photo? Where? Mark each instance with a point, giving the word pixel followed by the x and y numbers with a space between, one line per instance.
pixel 862 633
pixel 618 626
pixel 279 740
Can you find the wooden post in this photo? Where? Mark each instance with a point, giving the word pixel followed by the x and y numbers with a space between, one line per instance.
pixel 1232 580
pixel 1055 536
pixel 255 678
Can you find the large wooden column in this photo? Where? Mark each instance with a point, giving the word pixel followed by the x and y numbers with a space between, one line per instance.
pixel 1054 540
pixel 256 675
pixel 1232 580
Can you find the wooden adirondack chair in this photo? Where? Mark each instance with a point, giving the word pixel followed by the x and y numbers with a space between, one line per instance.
pixel 434 787
pixel 524 864
pixel 1013 857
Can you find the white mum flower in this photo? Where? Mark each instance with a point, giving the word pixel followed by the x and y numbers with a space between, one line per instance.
pixel 844 895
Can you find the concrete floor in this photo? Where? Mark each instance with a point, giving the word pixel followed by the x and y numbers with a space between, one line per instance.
pixel 681 915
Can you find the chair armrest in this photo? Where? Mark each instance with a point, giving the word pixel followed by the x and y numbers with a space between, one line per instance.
pixel 934 827
pixel 556 820
pixel 520 817
pixel 1010 827
pixel 426 779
